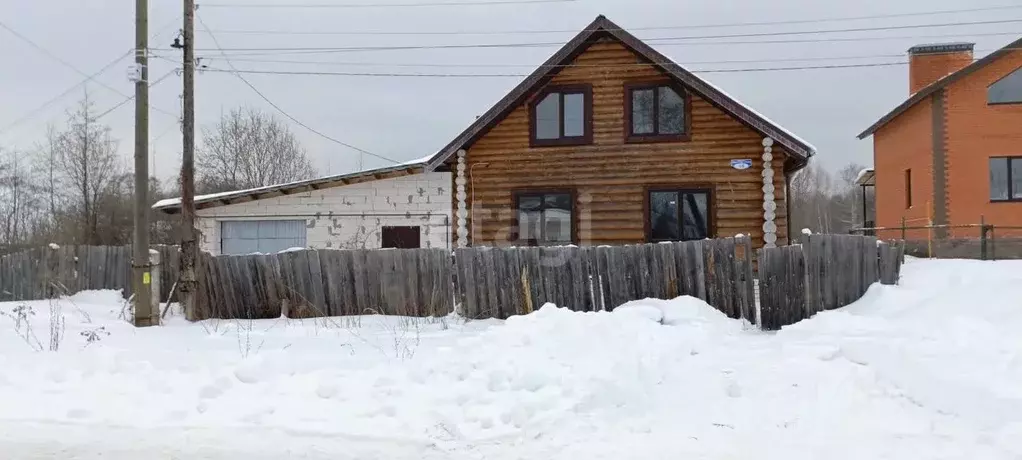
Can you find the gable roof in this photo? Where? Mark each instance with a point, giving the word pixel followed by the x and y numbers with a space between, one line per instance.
pixel 600 28
pixel 212 200
pixel 939 85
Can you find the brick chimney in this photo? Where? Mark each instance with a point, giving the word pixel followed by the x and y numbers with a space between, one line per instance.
pixel 929 63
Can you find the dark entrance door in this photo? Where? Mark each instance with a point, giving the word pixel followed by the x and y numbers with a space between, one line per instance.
pixel 401 237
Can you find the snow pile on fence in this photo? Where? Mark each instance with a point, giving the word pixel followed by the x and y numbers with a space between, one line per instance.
pixel 927 369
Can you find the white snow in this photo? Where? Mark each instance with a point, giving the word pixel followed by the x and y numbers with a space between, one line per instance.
pixel 927 369
pixel 807 232
pixel 862 174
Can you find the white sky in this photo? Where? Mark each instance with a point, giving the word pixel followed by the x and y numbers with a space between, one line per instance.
pixel 407 118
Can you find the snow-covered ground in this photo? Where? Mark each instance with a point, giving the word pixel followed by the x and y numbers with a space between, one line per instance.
pixel 930 369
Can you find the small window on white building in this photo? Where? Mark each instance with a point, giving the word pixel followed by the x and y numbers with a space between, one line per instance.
pixel 263 236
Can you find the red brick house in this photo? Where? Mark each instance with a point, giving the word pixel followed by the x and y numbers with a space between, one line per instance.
pixel 951 154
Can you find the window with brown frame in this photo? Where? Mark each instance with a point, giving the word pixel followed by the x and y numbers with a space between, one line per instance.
pixel 908 188
pixel 678 214
pixel 656 112
pixel 544 218
pixel 562 115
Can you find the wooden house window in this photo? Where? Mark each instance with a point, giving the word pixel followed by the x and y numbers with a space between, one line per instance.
pixel 656 112
pixel 562 115
pixel 1006 179
pixel 678 214
pixel 544 218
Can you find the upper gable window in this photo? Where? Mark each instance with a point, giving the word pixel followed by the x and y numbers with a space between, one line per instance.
pixel 1007 90
pixel 656 112
pixel 562 115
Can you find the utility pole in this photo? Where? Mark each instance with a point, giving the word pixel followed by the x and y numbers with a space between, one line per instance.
pixel 140 268
pixel 189 250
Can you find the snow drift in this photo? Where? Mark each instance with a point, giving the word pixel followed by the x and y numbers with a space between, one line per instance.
pixel 927 369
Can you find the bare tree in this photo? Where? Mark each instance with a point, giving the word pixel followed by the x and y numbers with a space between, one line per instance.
pixel 47 156
pixel 247 149
pixel 87 156
pixel 826 203
pixel 18 199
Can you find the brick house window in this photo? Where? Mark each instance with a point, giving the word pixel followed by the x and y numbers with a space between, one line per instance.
pixel 908 188
pixel 1007 90
pixel 1006 179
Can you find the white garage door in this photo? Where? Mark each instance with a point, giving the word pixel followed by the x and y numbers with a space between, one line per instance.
pixel 265 236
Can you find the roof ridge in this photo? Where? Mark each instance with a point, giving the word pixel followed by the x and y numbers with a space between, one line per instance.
pixel 574 47
pixel 941 83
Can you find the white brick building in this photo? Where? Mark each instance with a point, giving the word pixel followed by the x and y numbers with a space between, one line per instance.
pixel 393 207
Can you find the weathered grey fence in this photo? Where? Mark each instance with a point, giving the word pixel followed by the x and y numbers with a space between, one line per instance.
pixel 49 271
pixel 302 284
pixel 498 283
pixel 827 272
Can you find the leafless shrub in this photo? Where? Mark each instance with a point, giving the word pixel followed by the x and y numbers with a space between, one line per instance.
pixel 56 325
pixel 22 316
pixel 94 335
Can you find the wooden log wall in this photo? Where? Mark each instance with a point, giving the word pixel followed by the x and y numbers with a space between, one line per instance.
pixel 502 282
pixel 826 272
pixel 610 175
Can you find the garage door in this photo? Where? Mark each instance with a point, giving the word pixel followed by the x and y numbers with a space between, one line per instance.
pixel 264 236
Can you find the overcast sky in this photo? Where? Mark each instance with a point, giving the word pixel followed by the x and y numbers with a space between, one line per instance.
pixel 407 118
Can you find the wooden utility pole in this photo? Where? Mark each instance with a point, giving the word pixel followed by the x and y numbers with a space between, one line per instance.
pixel 189 250
pixel 140 267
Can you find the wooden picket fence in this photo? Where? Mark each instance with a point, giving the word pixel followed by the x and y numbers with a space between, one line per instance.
pixel 498 283
pixel 304 284
pixel 795 282
pixel 49 271
pixel 827 272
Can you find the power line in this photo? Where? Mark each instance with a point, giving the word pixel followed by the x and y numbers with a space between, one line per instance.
pixel 307 51
pixel 559 66
pixel 648 28
pixel 691 37
pixel 43 106
pixel 58 97
pixel 132 97
pixel 654 39
pixel 53 56
pixel 377 5
pixel 282 112
pixel 499 75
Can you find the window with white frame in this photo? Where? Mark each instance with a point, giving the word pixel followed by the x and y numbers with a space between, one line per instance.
pixel 261 236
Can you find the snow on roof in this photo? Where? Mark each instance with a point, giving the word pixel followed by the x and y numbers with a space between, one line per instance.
pixel 865 177
pixel 174 202
pixel 765 118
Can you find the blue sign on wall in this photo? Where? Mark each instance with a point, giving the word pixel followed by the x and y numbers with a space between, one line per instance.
pixel 741 164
